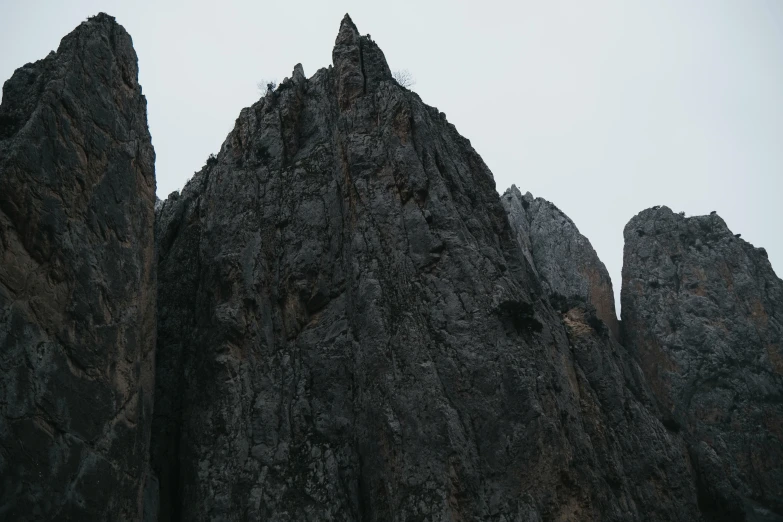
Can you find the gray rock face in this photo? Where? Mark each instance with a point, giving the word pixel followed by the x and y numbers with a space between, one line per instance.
pixel 349 330
pixel 352 325
pixel 562 257
pixel 77 282
pixel 703 311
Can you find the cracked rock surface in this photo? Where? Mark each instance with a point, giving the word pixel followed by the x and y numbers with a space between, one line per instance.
pixel 349 330
pixel 338 318
pixel 563 259
pixel 77 282
pixel 703 312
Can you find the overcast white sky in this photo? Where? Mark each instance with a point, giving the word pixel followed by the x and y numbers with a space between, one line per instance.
pixel 604 107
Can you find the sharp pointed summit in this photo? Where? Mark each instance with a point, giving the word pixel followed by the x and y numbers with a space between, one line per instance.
pixel 362 329
pixel 347 25
pixel 359 64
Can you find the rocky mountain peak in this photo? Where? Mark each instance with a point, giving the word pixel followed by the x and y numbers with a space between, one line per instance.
pixel 98 43
pixel 77 282
pixel 348 30
pixel 346 313
pixel 358 62
pixel 92 38
pixel 338 318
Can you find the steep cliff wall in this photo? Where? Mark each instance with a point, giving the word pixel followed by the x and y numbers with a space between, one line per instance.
pixel 703 311
pixel 77 282
pixel 564 259
pixel 352 324
pixel 349 330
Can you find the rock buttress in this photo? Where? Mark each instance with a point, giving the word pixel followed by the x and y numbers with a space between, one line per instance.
pixel 563 258
pixel 77 282
pixel 703 311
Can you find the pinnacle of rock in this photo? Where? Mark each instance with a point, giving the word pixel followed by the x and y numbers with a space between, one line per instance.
pixel 358 62
pixel 77 282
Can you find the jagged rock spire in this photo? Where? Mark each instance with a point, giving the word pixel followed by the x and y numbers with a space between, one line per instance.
pixel 347 26
pixel 359 63
pixel 77 282
pixel 357 336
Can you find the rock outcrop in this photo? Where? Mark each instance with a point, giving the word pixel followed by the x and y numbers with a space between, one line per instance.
pixel 340 319
pixel 703 312
pixel 77 282
pixel 349 330
pixel 563 259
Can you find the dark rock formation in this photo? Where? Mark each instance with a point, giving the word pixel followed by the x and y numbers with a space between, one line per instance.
pixel 349 330
pixel 352 325
pixel 77 282
pixel 703 311
pixel 563 258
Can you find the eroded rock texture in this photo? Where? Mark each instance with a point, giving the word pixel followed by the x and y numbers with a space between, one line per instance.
pixel 349 330
pixel 77 282
pixel 352 325
pixel 563 259
pixel 703 311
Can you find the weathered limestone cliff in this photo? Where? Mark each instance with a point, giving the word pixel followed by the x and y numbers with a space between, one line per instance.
pixel 563 258
pixel 349 330
pixel 338 318
pixel 77 282
pixel 703 312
